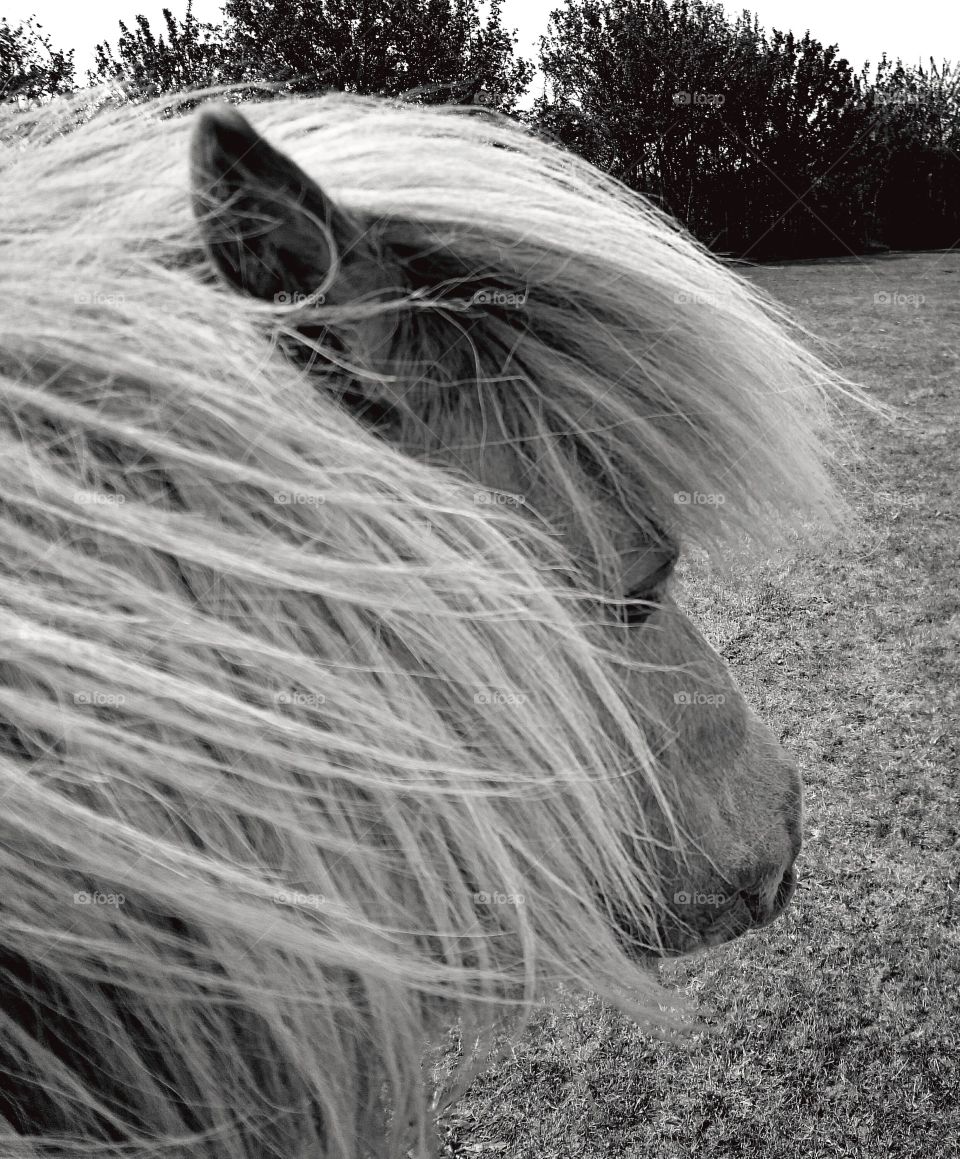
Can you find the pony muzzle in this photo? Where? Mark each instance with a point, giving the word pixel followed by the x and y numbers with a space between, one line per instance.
pixel 705 917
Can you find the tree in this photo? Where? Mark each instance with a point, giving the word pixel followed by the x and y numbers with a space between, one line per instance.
pixel 915 134
pixel 617 71
pixel 430 50
pixel 193 54
pixel 427 50
pixel 29 65
pixel 746 138
pixel 796 117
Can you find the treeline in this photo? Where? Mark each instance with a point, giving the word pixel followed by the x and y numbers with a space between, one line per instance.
pixel 763 144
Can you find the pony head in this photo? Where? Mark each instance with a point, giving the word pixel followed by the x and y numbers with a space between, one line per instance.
pixel 342 693
pixel 545 336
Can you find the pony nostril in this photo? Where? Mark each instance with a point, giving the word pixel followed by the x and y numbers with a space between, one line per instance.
pixel 754 904
pixel 770 897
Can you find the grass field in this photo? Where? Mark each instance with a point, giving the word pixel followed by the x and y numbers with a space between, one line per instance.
pixel 838 1028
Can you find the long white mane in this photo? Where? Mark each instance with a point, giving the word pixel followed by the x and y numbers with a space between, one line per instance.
pixel 278 703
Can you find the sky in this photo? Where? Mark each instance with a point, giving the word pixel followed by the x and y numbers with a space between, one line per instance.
pixel 863 29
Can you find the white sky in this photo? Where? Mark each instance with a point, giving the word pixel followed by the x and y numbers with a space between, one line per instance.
pixel 862 28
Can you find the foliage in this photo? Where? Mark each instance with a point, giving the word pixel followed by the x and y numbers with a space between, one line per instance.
pixel 762 144
pixel 30 67
pixel 915 146
pixel 193 54
pixel 428 50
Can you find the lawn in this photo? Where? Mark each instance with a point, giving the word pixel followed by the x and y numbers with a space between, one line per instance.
pixel 836 1030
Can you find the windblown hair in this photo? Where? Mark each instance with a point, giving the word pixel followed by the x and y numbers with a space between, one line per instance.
pixel 250 652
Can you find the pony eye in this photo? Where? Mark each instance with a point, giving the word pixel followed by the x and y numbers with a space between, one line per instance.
pixel 638 606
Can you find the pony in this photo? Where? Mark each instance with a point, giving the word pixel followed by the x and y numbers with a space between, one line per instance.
pixel 347 451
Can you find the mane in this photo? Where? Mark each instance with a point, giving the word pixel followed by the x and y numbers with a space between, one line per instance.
pixel 676 376
pixel 245 638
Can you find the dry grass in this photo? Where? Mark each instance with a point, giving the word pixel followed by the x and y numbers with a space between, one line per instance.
pixel 837 1029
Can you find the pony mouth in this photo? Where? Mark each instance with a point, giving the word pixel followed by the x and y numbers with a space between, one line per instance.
pixel 745 912
pixel 748 912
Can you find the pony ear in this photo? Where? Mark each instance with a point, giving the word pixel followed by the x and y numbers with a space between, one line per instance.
pixel 268 228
